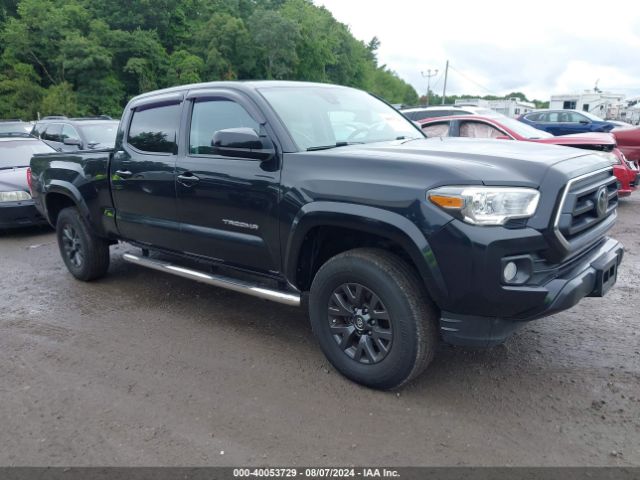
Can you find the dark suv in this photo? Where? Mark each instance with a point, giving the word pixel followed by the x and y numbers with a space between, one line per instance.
pixel 70 134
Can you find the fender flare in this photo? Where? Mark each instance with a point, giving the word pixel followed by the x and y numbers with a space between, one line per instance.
pixel 71 191
pixel 383 223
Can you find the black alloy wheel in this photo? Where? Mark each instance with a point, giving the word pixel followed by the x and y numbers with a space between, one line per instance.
pixel 72 246
pixel 360 323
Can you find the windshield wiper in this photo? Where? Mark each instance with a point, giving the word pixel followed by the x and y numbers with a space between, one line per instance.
pixel 337 144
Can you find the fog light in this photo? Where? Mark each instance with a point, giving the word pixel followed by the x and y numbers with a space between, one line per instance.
pixel 510 272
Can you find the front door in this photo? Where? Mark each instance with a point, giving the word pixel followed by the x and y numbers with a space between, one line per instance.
pixel 143 175
pixel 227 206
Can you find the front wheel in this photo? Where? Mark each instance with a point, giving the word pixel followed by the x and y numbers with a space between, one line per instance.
pixel 85 255
pixel 372 319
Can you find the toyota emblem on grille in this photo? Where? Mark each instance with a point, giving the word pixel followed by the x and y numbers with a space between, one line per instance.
pixel 602 202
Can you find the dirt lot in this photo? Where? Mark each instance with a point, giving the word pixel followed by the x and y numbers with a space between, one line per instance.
pixel 142 368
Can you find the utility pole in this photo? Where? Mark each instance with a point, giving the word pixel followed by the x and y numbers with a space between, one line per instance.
pixel 428 76
pixel 444 89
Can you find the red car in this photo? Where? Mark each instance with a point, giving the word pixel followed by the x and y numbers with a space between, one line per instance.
pixel 628 140
pixel 505 128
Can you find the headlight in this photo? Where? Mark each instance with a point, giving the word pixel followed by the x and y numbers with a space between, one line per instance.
pixel 486 205
pixel 14 196
pixel 610 156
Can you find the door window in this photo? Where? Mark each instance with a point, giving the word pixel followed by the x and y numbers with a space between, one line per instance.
pixel 436 129
pixel 576 117
pixel 69 132
pixel 479 130
pixel 53 133
pixel 154 128
pixel 212 115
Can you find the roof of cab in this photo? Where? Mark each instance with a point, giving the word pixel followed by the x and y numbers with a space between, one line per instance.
pixel 240 85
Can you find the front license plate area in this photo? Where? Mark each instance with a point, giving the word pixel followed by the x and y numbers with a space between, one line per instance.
pixel 606 276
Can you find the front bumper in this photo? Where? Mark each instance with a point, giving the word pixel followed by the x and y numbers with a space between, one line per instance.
pixel 20 214
pixel 592 275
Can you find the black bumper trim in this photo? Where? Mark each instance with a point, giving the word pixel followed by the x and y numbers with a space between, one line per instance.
pixel 20 214
pixel 562 294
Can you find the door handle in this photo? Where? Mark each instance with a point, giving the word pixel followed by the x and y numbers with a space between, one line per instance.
pixel 124 173
pixel 188 179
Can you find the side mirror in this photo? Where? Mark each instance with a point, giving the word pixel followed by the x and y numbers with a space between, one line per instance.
pixel 585 122
pixel 242 143
pixel 503 137
pixel 72 141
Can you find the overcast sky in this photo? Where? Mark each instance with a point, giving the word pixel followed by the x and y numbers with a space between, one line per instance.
pixel 540 48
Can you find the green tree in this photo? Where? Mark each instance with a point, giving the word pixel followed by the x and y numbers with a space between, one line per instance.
pixel 184 68
pixel 275 37
pixel 60 99
pixel 20 92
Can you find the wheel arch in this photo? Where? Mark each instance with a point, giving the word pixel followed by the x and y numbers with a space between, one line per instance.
pixel 365 222
pixel 60 194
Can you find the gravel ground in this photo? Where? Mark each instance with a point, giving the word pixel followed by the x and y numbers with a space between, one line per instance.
pixel 142 368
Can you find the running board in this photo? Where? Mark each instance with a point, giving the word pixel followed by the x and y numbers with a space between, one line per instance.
pixel 286 298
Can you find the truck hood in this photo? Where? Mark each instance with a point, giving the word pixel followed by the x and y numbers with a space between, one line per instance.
pixel 13 179
pixel 472 161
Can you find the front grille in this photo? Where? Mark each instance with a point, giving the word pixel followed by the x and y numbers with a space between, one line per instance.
pixel 587 209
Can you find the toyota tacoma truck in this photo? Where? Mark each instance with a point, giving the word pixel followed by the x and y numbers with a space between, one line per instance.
pixel 326 197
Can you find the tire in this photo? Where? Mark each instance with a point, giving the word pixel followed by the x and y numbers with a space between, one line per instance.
pixel 399 318
pixel 91 258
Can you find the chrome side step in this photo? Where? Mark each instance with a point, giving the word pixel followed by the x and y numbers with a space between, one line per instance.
pixel 286 298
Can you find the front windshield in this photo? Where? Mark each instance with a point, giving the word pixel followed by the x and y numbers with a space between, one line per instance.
pixel 524 130
pixel 18 153
pixel 317 116
pixel 103 134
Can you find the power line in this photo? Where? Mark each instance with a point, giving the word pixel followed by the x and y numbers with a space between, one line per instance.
pixel 470 79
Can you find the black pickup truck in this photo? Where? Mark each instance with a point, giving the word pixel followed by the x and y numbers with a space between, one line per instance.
pixel 324 196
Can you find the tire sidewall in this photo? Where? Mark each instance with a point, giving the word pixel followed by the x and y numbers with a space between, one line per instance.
pixel 72 217
pixel 399 362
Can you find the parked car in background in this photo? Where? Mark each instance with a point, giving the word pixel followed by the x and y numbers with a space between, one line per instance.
pixel 15 126
pixel 504 128
pixel 16 206
pixel 620 124
pixel 566 122
pixel 70 134
pixel 421 113
pixel 628 140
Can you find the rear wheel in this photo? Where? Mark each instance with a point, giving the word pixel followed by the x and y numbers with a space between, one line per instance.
pixel 85 255
pixel 372 318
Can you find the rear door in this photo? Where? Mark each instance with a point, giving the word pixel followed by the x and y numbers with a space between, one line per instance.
pixel 227 206
pixel 143 172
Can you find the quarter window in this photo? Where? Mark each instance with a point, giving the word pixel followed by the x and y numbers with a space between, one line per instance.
pixel 154 129
pixel 211 115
